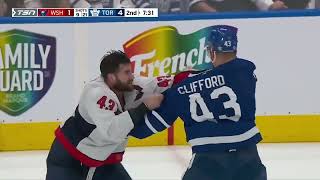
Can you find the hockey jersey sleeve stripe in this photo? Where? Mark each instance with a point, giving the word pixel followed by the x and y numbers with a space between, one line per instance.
pixel 155 114
pixel 224 139
pixel 149 124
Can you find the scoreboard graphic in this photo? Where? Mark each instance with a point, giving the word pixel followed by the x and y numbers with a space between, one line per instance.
pixel 84 12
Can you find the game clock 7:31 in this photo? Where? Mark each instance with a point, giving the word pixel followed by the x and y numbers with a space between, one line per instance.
pixel 147 12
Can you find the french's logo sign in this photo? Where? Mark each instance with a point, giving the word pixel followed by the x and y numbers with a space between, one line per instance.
pixel 163 51
pixel 27 69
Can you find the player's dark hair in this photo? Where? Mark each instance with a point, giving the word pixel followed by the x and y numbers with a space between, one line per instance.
pixel 111 61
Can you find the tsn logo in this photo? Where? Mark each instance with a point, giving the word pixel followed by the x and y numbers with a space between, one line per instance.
pixel 19 12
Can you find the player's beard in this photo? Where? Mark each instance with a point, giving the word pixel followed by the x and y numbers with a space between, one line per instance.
pixel 124 86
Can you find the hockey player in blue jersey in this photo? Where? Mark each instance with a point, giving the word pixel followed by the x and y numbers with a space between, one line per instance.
pixel 218 110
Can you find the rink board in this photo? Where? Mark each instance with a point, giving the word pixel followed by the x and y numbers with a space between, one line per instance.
pixel 291 128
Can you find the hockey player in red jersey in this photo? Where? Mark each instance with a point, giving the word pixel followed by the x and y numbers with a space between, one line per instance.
pixel 91 143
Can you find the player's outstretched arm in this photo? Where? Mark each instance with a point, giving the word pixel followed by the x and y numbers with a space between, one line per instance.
pixel 164 116
pixel 156 120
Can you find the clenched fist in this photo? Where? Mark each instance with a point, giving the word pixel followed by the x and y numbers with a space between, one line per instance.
pixel 153 101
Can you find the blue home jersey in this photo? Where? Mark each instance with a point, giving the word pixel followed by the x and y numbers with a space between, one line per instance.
pixel 217 107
